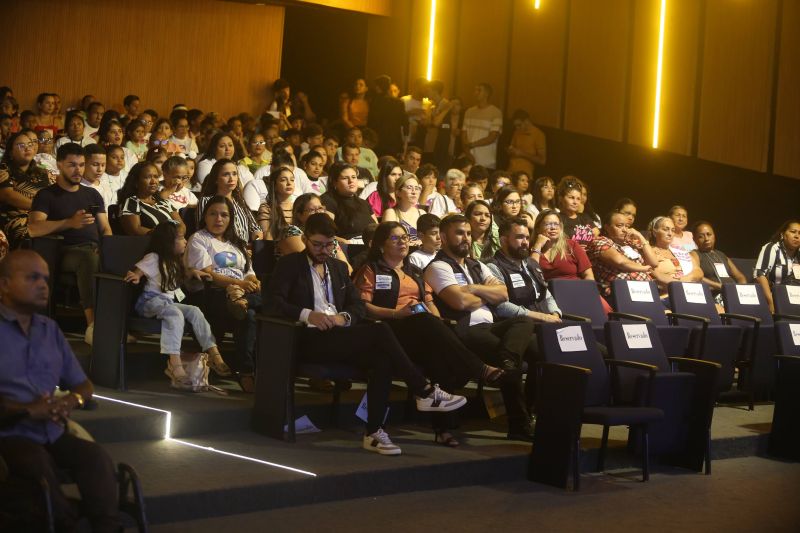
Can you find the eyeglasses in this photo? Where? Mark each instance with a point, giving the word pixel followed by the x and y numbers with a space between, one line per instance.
pixel 399 238
pixel 161 142
pixel 553 225
pixel 147 122
pixel 259 143
pixel 29 144
pixel 313 210
pixel 512 202
pixel 45 140
pixel 330 245
pixel 502 183
pixel 412 188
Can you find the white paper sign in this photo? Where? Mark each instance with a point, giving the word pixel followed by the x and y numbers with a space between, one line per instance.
pixel 747 294
pixel 793 291
pixel 383 282
pixel 179 295
pixel 630 253
pixel 795 328
pixel 362 411
pixel 640 291
pixel 721 270
pixel 570 339
pixel 517 281
pixel 694 293
pixel 637 336
pixel 796 271
pixel 303 425
pixel 461 279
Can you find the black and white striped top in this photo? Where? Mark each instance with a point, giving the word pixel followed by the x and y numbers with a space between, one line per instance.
pixel 150 215
pixel 775 264
pixel 243 220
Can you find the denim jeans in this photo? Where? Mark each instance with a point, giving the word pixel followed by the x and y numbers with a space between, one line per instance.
pixel 173 316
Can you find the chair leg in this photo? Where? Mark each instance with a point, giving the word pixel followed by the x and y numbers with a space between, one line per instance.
pixel 576 463
pixel 645 454
pixel 337 397
pixel 290 415
pixel 708 454
pixel 601 455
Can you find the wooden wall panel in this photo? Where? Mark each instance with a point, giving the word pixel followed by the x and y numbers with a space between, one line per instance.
pixel 787 125
pixel 371 7
pixel 218 56
pixel 737 82
pixel 537 60
pixel 387 46
pixel 597 67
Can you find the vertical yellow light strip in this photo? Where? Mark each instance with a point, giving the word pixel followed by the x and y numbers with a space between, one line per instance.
pixel 657 110
pixel 431 34
pixel 537 4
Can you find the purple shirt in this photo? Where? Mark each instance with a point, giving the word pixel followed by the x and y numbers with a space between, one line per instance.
pixel 34 365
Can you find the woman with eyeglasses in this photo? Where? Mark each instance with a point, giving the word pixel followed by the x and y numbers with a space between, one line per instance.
pixel 290 239
pixel 674 264
pixel 507 204
pixel 394 291
pixel 405 210
pixel 258 156
pixel 543 196
pixel 578 225
pixel 20 179
pixel 46 156
pixel 559 256
pixel 450 202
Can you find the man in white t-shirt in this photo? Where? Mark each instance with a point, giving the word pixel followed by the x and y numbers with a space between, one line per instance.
pixel 482 126
pixel 466 291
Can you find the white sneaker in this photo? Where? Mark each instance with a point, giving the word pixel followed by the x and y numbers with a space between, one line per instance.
pixel 381 443
pixel 440 401
pixel 88 337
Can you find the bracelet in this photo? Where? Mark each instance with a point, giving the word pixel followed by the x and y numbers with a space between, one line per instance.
pixel 535 251
pixel 78 397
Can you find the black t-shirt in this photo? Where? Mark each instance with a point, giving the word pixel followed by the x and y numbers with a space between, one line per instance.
pixel 352 213
pixel 579 229
pixel 59 204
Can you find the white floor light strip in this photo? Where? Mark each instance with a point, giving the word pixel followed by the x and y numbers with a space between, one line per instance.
pixel 168 427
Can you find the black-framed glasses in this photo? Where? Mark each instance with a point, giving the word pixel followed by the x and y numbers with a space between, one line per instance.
pixel 22 146
pixel 512 202
pixel 330 245
pixel 399 238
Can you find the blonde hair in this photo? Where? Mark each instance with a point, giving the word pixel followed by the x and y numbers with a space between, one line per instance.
pixel 559 248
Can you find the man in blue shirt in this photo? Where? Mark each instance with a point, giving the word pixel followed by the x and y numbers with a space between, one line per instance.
pixel 35 358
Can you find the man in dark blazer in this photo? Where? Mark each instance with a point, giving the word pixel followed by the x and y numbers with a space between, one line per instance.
pixel 315 288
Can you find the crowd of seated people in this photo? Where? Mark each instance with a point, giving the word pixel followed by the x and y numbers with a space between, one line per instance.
pixel 220 185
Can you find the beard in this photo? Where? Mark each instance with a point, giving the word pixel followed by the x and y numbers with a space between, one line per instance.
pixel 521 252
pixel 459 250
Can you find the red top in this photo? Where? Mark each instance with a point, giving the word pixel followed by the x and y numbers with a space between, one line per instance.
pixel 575 262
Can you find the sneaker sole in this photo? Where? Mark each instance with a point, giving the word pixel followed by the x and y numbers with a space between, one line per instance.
pixel 442 408
pixel 396 451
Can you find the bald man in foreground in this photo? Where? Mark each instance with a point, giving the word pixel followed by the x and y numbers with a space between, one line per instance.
pixel 35 358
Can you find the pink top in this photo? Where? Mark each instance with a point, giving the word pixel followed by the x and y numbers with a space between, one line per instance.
pixel 374 201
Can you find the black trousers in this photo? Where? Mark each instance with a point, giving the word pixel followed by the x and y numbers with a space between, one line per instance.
pixel 371 346
pixel 88 464
pixel 513 339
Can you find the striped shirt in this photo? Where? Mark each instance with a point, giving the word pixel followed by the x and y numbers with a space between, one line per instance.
pixel 150 215
pixel 243 220
pixel 775 264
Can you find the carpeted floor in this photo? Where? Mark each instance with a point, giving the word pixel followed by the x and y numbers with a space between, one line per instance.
pixel 743 495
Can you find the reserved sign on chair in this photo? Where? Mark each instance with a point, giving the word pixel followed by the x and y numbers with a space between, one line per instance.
pixel 747 294
pixel 694 293
pixel 640 291
pixel 570 339
pixel 636 336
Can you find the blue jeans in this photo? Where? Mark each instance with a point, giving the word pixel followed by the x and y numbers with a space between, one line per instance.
pixel 173 316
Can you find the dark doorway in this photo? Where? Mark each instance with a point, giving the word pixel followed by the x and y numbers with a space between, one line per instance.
pixel 324 51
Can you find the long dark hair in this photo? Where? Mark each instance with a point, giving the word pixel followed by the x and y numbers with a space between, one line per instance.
pixel 277 222
pixel 209 187
pixel 170 264
pixel 105 126
pixel 383 182
pixel 778 235
pixel 131 184
pixel 382 234
pixel 497 203
pixel 211 149
pixel 536 193
pixel 12 140
pixel 299 206
pixel 229 235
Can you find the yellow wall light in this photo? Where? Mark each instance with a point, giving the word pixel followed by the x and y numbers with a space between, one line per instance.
pixel 537 4
pixel 431 36
pixel 659 67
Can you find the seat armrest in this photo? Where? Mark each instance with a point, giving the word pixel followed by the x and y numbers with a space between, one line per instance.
pixel 279 321
pixel 577 318
pixel 631 364
pixel 616 315
pixel 110 277
pixel 685 363
pixel 782 316
pixel 791 358
pixel 672 317
pixel 735 316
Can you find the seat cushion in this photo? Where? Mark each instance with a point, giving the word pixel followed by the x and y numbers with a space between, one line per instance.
pixel 617 416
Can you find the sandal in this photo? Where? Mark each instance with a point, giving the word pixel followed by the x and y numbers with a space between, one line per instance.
pixel 449 440
pixel 179 379
pixel 220 368
pixel 247 382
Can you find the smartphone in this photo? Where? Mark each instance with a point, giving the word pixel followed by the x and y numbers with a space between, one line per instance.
pixel 418 308
pixel 94 209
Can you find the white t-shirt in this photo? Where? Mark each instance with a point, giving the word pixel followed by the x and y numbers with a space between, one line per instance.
pixel 183 198
pixel 130 158
pixel 103 186
pixel 478 123
pixel 149 266
pixel 420 258
pixel 204 167
pixel 302 185
pixel 441 205
pixel 116 182
pixel 370 188
pixel 439 275
pixel 204 250
pixel 189 144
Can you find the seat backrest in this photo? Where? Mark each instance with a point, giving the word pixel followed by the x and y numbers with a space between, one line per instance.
pixel 189 217
pixel 639 298
pixel 578 297
pixel 786 299
pixel 788 337
pixel 638 342
pixel 118 253
pixel 692 299
pixel 746 300
pixel 575 345
pixel 353 250
pixel 264 257
pixel 745 266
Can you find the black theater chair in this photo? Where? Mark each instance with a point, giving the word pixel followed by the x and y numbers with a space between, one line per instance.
pixel 784 438
pixel 685 389
pixel 786 299
pixel 710 340
pixel 277 367
pixel 579 300
pixel 264 260
pixel 63 285
pixel 746 306
pixel 567 345
pixel 641 298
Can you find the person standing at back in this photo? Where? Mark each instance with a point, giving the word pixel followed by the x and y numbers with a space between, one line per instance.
pixel 483 123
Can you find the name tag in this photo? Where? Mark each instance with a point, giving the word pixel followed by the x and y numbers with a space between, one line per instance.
pixel 694 293
pixel 796 271
pixel 636 336
pixel 793 291
pixel 721 270
pixel 630 252
pixel 747 294
pixel 640 291
pixel 383 282
pixel 570 339
pixel 517 281
pixel 795 333
pixel 179 295
pixel 461 279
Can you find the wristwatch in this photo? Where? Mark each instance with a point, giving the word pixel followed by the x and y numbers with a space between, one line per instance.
pixel 347 318
pixel 79 398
